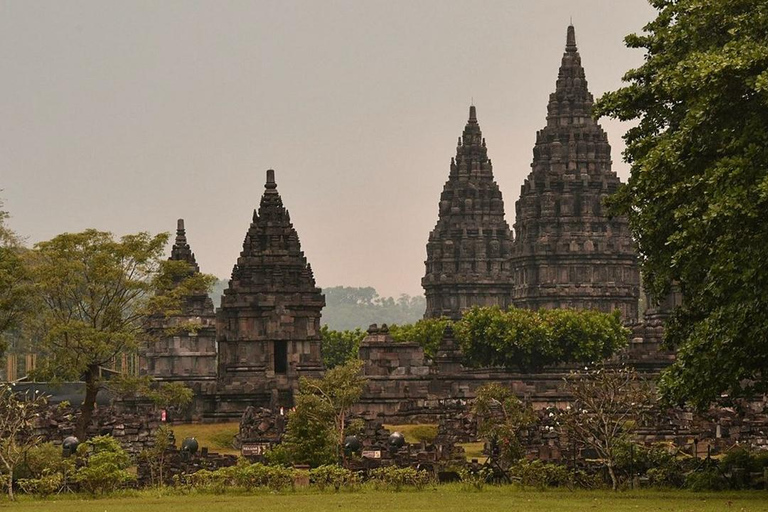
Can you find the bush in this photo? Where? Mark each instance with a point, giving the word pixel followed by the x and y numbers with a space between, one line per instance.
pixel 43 486
pixel 474 480
pixel 333 476
pixel 709 479
pixel 395 478
pixel 252 476
pixel 104 466
pixel 425 433
pixel 47 458
pixel 541 475
pixel 658 462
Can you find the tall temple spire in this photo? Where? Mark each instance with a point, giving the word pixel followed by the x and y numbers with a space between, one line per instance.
pixel 567 251
pixel 570 40
pixel 467 250
pixel 269 320
pixel 180 250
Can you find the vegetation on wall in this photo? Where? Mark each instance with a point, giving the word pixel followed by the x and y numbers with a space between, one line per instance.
pixel 530 340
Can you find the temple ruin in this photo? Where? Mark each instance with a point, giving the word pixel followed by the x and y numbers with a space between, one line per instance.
pixel 567 252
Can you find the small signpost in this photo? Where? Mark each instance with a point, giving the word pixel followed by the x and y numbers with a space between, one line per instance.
pixel 254 449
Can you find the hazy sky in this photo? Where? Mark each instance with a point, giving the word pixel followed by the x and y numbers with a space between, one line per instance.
pixel 125 116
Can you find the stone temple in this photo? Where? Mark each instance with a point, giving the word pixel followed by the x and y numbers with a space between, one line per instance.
pixel 469 250
pixel 566 251
pixel 269 322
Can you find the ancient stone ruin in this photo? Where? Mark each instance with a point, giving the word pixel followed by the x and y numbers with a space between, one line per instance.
pixel 268 325
pixel 183 346
pixel 468 251
pixel 567 251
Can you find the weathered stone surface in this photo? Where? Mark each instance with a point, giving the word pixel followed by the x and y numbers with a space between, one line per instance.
pixel 567 251
pixel 468 251
pixel 268 325
pixel 182 348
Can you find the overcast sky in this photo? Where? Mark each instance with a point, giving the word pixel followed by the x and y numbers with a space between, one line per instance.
pixel 125 116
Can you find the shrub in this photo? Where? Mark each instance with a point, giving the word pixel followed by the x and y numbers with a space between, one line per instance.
pixel 474 480
pixel 425 433
pixel 104 465
pixel 251 476
pixel 541 475
pixel 47 458
pixel 333 476
pixel 395 478
pixel 43 486
pixel 709 479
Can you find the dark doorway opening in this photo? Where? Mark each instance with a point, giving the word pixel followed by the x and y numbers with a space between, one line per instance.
pixel 281 356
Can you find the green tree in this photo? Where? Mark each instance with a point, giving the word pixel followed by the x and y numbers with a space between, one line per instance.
pixel 427 332
pixel 697 195
pixel 501 419
pixel 18 413
pixel 94 296
pixel 319 422
pixel 340 346
pixel 15 286
pixel 530 340
pixel 605 407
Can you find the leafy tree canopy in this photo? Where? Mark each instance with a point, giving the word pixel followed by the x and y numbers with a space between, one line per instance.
pixel 427 332
pixel 697 196
pixel 340 347
pixel 316 428
pixel 94 295
pixel 502 418
pixel 530 340
pixel 15 286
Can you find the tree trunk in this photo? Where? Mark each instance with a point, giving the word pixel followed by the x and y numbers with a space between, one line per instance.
pixel 89 403
pixel 9 468
pixel 614 483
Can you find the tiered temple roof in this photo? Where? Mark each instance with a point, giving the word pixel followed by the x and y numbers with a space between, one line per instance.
pixel 568 252
pixel 469 248
pixel 269 320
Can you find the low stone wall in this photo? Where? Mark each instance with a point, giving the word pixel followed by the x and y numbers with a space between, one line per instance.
pixel 714 431
pixel 133 429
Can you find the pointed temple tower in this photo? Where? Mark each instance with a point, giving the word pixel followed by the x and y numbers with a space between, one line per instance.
pixel 269 320
pixel 468 251
pixel 567 251
pixel 186 355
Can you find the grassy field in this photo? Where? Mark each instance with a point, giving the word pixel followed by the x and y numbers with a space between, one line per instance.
pixel 446 498
pixel 216 436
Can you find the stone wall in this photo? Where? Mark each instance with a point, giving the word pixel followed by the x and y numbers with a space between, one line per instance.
pixel 135 430
pixel 403 387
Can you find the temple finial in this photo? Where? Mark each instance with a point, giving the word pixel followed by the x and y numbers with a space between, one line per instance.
pixel 570 42
pixel 472 114
pixel 180 226
pixel 270 180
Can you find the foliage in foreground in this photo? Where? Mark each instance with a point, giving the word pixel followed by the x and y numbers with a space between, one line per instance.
pixel 697 195
pixel 317 426
pixel 501 419
pixel 94 297
pixel 18 413
pixel 606 406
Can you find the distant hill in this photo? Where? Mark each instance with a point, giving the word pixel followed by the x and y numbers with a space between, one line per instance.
pixel 349 307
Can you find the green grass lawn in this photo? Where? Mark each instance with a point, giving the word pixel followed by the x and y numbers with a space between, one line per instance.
pixel 446 498
pixel 216 436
